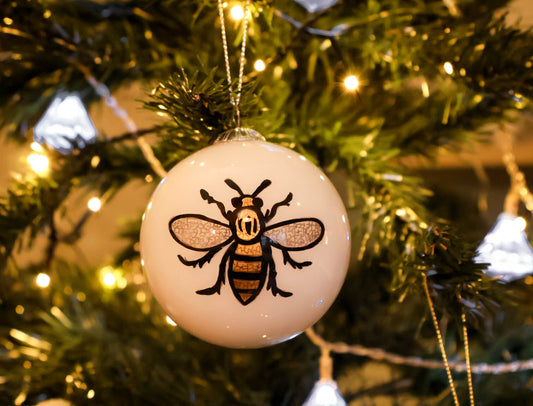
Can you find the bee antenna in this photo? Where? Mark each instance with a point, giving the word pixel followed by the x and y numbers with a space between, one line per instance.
pixel 234 186
pixel 266 183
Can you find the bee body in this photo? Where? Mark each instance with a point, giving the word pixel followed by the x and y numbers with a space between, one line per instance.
pixel 246 271
pixel 248 261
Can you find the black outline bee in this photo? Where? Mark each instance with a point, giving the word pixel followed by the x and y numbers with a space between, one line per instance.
pixel 248 260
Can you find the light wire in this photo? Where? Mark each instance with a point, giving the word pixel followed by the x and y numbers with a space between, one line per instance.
pixel 103 91
pixel 379 354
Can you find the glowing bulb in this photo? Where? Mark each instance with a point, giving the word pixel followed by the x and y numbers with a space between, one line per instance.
pixel 237 13
pixel 325 393
pixel 448 68
pixel 42 280
pixel 109 279
pixel 39 163
pixel 425 89
pixel 36 147
pixel 351 83
pixel 259 65
pixel 94 204
pixel 170 321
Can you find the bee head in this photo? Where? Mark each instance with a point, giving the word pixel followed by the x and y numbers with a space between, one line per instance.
pixel 247 200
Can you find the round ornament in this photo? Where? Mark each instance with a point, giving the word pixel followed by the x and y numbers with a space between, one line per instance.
pixel 245 243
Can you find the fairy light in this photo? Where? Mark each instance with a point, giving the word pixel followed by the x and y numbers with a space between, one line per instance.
pixel 42 280
pixel 36 147
pixel 38 163
pixel 237 13
pixel 259 65
pixel 94 204
pixel 95 161
pixel 325 393
pixel 351 83
pixel 20 399
pixel 109 279
pixel 141 297
pixel 112 278
pixel 425 88
pixel 448 68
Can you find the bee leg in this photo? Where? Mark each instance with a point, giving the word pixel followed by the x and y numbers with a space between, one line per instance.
pixel 201 261
pixel 221 277
pixel 295 264
pixel 272 284
pixel 269 214
pixel 207 197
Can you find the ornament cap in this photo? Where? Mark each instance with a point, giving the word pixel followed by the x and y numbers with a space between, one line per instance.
pixel 240 134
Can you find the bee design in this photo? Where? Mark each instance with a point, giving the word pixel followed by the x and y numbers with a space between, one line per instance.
pixel 248 260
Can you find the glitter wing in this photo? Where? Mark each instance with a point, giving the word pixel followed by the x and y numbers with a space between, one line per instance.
pixel 198 232
pixel 296 235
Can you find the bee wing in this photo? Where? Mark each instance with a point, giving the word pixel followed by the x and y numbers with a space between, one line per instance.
pixel 297 234
pixel 199 233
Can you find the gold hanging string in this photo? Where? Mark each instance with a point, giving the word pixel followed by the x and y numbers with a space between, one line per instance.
pixel 467 359
pixel 235 100
pixel 440 340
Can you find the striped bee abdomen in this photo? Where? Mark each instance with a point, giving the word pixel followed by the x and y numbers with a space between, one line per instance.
pixel 244 273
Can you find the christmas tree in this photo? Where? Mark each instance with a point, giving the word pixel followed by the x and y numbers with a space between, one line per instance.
pixel 375 93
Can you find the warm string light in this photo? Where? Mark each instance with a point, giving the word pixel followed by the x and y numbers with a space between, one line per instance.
pixel 237 13
pixel 325 391
pixel 448 68
pixel 42 280
pixel 351 83
pixel 37 160
pixel 112 278
pixel 94 204
pixel 39 163
pixel 259 65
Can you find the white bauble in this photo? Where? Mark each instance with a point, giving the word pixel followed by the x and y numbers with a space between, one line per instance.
pixel 271 234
